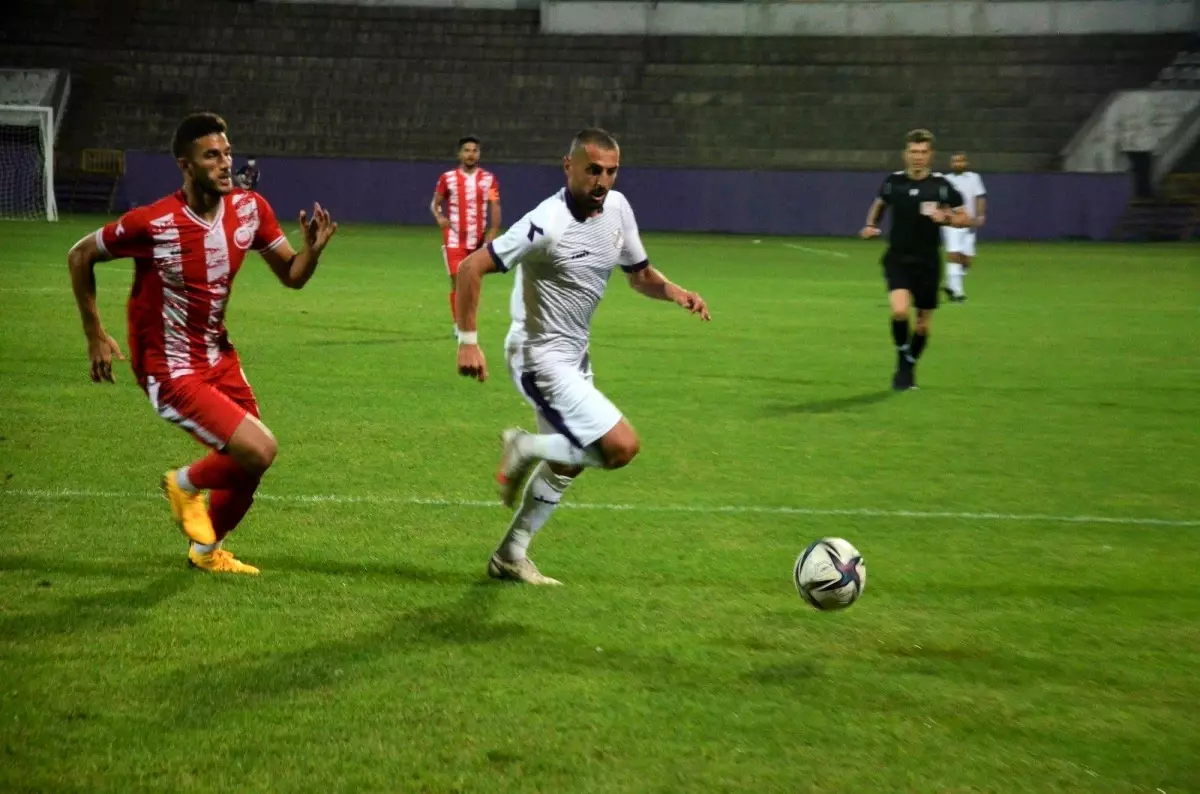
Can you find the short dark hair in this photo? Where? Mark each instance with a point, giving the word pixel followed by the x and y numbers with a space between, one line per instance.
pixel 464 140
pixel 918 136
pixel 593 136
pixel 195 126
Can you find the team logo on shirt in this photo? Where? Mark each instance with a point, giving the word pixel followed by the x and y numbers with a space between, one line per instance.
pixel 243 237
pixel 618 239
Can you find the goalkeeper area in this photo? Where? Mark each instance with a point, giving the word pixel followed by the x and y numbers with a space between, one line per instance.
pixel 32 105
pixel 1021 629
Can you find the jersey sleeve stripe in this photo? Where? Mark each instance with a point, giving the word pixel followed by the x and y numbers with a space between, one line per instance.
pixel 278 241
pixel 100 242
pixel 491 249
pixel 645 263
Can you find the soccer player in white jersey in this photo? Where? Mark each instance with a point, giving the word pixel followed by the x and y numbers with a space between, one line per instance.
pixel 960 243
pixel 566 249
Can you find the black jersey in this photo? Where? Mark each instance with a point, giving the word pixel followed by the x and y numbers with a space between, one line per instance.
pixel 914 235
pixel 247 177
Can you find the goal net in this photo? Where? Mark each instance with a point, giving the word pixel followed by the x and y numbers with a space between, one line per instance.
pixel 31 102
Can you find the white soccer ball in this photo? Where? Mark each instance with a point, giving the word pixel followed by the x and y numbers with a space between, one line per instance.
pixel 830 574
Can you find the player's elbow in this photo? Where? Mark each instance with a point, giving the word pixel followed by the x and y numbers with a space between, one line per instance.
pixel 296 282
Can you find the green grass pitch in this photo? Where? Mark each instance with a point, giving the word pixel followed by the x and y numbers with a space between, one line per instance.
pixel 1030 520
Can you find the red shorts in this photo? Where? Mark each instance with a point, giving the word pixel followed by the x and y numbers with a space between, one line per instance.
pixel 454 258
pixel 209 405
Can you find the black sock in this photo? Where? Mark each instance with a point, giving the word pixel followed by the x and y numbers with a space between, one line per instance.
pixel 900 333
pixel 917 345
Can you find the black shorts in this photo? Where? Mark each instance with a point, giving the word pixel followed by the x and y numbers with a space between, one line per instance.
pixel 922 276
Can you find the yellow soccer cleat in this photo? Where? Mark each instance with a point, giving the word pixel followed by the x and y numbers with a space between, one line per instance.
pixel 190 511
pixel 218 561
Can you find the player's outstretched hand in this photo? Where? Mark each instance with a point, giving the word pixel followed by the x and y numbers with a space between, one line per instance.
pixel 318 229
pixel 471 362
pixel 102 350
pixel 694 304
pixel 868 232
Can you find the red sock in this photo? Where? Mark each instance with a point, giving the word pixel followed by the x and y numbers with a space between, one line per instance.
pixel 217 470
pixel 453 316
pixel 227 507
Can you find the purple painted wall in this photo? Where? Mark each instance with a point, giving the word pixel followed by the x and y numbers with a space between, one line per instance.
pixel 818 203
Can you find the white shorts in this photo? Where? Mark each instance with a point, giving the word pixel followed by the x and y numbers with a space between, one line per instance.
pixel 958 241
pixel 563 397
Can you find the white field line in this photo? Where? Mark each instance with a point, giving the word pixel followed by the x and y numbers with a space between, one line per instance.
pixel 849 512
pixel 821 251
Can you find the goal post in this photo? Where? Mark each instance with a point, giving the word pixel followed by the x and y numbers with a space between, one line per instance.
pixel 27 162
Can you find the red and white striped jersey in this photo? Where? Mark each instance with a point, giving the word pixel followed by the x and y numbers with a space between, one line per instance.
pixel 184 268
pixel 467 197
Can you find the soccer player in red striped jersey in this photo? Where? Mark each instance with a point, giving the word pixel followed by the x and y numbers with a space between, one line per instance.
pixel 471 196
pixel 187 248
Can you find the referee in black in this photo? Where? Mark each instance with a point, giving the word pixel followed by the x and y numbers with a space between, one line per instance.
pixel 921 202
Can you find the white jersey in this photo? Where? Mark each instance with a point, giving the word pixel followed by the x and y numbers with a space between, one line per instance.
pixel 970 185
pixel 565 260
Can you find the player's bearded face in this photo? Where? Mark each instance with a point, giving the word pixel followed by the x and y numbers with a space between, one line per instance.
pixel 468 155
pixel 959 164
pixel 211 164
pixel 591 173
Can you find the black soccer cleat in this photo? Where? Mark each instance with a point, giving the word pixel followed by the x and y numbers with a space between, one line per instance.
pixel 903 380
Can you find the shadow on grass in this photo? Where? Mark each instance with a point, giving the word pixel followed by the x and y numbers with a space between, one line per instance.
pixel 832 406
pixel 95 611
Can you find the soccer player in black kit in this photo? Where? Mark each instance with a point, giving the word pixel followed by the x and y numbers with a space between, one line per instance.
pixel 921 202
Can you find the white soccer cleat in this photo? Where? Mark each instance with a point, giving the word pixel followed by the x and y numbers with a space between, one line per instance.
pixel 522 570
pixel 514 466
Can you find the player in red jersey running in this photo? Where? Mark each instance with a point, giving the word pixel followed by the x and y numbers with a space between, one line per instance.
pixel 187 248
pixel 471 196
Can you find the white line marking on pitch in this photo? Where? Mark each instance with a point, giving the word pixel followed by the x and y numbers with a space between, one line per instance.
pixel 853 512
pixel 822 251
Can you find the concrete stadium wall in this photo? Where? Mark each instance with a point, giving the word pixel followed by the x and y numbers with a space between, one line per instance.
pixel 862 18
pixel 818 203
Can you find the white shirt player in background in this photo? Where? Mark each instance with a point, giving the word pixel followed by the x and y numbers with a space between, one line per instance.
pixel 960 243
pixel 563 252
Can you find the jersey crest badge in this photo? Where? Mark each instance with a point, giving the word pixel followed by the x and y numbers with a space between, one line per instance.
pixel 243 237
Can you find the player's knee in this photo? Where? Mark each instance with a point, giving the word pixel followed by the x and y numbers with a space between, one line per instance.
pixel 259 456
pixel 622 452
pixel 922 326
pixel 563 470
pixel 899 314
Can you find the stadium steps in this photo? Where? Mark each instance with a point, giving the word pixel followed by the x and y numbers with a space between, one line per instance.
pixel 1172 215
pixel 79 191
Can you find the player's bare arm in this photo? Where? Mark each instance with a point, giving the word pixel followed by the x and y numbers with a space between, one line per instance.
pixel 102 348
pixel 493 221
pixel 980 210
pixel 471 361
pixel 871 229
pixel 295 269
pixel 653 284
pixel 956 217
pixel 435 206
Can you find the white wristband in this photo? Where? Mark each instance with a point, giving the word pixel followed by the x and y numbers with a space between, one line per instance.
pixel 468 337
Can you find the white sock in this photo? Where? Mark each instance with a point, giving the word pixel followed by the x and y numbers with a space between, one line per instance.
pixel 181 479
pixel 559 449
pixel 206 548
pixel 954 277
pixel 542 494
